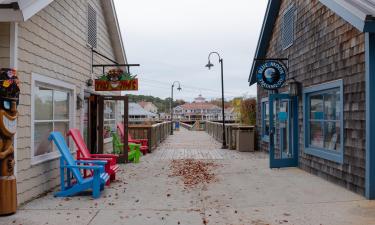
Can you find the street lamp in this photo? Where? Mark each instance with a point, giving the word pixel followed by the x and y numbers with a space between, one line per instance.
pixel 209 65
pixel 171 103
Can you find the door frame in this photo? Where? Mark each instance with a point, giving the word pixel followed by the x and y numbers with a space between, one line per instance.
pixel 100 101
pixel 293 131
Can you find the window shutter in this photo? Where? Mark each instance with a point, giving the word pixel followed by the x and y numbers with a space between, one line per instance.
pixel 288 28
pixel 91 27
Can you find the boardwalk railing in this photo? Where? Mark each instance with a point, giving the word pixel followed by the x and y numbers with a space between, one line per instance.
pixel 231 132
pixel 155 133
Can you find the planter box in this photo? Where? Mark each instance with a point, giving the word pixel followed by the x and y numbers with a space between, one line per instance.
pixel 245 138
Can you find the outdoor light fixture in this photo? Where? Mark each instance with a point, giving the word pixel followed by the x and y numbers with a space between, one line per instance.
pixel 171 103
pixel 89 83
pixel 79 102
pixel 209 65
pixel 294 87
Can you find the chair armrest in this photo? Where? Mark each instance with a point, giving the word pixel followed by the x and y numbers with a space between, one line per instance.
pixel 104 156
pixel 83 167
pixel 94 159
pixel 142 140
pixel 134 144
pixel 97 162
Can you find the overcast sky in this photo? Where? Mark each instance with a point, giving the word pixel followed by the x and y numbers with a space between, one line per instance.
pixel 171 39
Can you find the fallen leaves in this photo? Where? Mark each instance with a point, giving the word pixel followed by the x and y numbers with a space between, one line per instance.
pixel 193 172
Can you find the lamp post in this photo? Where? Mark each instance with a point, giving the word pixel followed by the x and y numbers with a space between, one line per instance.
pixel 171 103
pixel 209 65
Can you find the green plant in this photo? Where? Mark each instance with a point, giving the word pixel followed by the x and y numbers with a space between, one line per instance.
pixel 248 111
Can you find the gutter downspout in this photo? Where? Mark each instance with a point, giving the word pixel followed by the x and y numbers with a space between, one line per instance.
pixel 370 115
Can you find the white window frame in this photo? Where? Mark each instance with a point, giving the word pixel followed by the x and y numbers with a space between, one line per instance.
pixel 38 79
pixel 108 140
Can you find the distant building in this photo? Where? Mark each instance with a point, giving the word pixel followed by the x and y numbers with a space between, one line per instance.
pixel 165 116
pixel 148 106
pixel 139 114
pixel 199 109
pixel 230 114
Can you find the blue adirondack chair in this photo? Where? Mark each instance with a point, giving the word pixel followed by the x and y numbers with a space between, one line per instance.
pixel 73 168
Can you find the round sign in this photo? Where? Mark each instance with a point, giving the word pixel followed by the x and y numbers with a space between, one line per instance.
pixel 271 75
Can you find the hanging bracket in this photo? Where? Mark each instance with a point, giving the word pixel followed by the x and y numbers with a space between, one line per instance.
pixel 103 66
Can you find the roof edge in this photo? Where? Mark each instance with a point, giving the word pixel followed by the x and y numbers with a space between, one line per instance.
pixel 116 37
pixel 265 35
pixel 340 9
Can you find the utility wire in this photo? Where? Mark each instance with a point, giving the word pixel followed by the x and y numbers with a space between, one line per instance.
pixel 146 81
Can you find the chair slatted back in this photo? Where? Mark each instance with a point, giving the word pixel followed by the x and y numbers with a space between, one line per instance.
pixel 121 129
pixel 117 149
pixel 63 148
pixel 80 142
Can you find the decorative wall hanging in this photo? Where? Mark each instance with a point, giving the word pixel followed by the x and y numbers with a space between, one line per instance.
pixel 116 80
pixel 9 98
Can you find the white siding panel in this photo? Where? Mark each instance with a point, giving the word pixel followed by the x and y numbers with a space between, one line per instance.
pixel 52 43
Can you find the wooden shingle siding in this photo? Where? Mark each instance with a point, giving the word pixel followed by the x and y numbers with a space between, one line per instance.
pixel 4 45
pixel 53 43
pixel 327 48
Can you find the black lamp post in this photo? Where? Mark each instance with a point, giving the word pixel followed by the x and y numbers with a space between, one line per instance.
pixel 209 65
pixel 171 104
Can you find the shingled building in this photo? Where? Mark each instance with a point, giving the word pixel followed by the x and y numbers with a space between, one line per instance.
pixel 325 121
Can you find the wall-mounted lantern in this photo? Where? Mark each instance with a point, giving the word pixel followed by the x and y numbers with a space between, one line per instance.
pixel 294 87
pixel 79 102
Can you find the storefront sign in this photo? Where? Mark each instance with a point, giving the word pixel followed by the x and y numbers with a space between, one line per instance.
pixel 271 75
pixel 116 80
pixel 122 85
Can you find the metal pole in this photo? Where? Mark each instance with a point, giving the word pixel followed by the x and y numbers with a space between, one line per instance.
pixel 222 104
pixel 172 109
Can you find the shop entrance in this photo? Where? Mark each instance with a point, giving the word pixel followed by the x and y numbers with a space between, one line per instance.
pixel 99 121
pixel 283 143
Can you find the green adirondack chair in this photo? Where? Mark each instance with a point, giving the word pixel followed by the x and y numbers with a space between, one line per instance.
pixel 134 149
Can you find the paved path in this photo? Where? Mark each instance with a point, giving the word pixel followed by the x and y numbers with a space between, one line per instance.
pixel 247 192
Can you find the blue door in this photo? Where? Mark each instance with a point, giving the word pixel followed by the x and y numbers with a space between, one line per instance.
pixel 283 144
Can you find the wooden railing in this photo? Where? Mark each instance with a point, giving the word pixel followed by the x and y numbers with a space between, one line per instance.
pixel 155 133
pixel 215 129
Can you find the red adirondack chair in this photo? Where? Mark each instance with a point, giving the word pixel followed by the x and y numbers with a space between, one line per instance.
pixel 83 153
pixel 142 142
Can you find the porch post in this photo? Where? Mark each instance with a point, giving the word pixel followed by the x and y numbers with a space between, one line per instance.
pixel 370 115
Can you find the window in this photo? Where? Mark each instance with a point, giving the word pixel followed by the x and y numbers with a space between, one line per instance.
pixel 91 27
pixel 51 111
pixel 288 27
pixel 109 118
pixel 265 120
pixel 323 114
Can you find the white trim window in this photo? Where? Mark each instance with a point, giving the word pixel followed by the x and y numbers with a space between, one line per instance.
pixel 52 109
pixel 109 119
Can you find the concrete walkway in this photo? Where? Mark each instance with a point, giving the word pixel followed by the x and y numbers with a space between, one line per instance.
pixel 247 192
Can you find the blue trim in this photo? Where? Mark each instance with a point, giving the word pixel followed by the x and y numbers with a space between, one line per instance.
pixel 265 35
pixel 265 138
pixel 335 156
pixel 370 112
pixel 285 162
